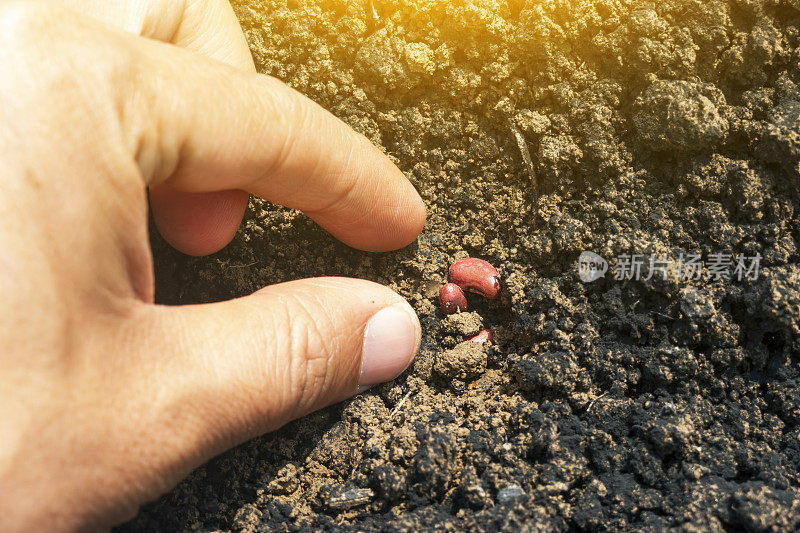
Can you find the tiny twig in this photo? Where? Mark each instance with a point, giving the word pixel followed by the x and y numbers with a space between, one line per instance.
pixel 526 153
pixel 243 266
pixel 400 403
pixel 591 404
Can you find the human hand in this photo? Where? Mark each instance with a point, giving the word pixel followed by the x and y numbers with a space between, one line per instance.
pixel 109 399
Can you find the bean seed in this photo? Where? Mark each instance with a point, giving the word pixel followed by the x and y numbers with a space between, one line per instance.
pixel 452 299
pixel 476 275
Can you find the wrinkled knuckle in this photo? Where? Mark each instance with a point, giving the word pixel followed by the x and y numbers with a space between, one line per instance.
pixel 311 354
pixel 292 120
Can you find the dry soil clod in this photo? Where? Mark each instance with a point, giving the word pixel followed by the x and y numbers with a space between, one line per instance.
pixel 476 275
pixel 466 360
pixel 452 299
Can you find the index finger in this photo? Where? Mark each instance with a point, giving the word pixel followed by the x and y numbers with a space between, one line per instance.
pixel 209 127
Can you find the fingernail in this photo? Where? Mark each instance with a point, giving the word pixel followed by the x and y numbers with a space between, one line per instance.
pixel 391 340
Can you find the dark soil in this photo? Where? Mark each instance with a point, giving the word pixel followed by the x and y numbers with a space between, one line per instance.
pixel 660 128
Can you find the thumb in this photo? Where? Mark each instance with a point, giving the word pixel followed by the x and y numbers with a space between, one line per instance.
pixel 236 369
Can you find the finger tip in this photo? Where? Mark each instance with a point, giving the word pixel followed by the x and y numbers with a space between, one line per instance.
pixel 400 230
pixel 418 217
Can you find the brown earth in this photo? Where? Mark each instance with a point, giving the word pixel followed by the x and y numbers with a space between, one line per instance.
pixel 660 128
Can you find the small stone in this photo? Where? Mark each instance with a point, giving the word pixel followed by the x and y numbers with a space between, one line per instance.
pixel 511 495
pixel 347 498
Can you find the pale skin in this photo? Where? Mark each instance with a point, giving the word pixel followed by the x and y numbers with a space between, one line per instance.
pixel 109 399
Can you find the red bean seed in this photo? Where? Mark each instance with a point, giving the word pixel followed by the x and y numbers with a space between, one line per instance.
pixel 483 336
pixel 452 299
pixel 476 275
